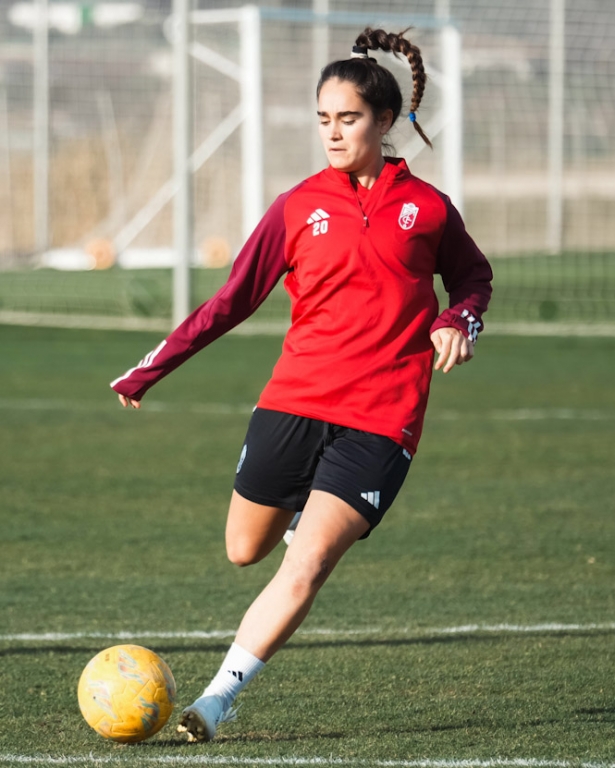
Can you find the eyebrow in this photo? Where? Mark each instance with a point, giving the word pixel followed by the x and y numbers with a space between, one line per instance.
pixel 341 114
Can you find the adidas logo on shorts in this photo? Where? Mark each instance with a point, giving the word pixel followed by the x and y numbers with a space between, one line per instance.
pixel 242 458
pixel 373 497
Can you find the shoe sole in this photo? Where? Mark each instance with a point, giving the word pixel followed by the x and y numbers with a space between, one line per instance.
pixel 193 724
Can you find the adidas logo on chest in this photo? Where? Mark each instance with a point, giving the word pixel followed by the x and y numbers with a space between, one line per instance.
pixel 319 220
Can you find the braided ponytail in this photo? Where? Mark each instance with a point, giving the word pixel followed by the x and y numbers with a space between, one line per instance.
pixel 374 39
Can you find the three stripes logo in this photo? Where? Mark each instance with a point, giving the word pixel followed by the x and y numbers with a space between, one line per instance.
pixel 238 675
pixel 319 220
pixel 145 363
pixel 372 497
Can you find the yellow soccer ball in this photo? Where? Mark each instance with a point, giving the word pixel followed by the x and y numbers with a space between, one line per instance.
pixel 126 693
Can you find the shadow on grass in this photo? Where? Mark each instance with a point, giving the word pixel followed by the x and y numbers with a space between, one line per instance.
pixel 598 715
pixel 249 737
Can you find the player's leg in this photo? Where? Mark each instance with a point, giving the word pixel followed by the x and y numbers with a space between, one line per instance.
pixel 273 480
pixel 355 482
pixel 328 527
pixel 253 530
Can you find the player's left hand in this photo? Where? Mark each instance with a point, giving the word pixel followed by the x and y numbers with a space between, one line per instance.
pixel 453 348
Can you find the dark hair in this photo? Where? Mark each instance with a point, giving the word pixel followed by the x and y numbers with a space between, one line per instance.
pixel 374 83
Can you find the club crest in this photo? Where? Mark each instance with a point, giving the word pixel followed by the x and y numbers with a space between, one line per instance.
pixel 408 215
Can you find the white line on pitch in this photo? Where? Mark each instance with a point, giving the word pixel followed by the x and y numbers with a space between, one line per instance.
pixel 417 632
pixel 206 409
pixel 208 760
pixel 41 404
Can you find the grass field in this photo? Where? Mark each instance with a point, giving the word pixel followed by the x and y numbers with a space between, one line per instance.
pixel 570 287
pixel 476 624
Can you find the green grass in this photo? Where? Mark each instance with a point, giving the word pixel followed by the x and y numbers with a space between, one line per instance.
pixel 568 287
pixel 113 293
pixel 113 521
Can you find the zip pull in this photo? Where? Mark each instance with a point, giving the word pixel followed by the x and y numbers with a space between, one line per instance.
pixel 359 204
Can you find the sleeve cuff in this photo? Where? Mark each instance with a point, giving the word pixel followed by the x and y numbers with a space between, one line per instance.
pixel 463 321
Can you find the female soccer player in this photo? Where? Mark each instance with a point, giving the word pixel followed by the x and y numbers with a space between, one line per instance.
pixel 337 425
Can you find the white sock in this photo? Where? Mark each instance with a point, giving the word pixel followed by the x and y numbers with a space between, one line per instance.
pixel 238 668
pixel 290 531
pixel 295 520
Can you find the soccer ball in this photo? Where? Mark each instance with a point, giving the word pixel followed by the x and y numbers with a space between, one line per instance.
pixel 126 693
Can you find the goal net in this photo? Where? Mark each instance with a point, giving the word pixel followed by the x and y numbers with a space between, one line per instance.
pixel 87 179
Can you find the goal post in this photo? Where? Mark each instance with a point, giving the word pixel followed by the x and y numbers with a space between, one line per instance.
pixel 249 74
pixel 125 145
pixel 182 150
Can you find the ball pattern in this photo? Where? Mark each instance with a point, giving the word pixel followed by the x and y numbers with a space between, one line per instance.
pixel 126 693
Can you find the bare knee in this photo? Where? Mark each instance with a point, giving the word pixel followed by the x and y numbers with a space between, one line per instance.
pixel 308 576
pixel 243 552
pixel 253 530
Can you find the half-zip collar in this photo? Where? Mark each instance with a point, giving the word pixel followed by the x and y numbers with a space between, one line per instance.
pixel 394 170
pixel 360 204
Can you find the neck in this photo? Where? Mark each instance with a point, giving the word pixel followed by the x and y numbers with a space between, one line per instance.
pixel 366 177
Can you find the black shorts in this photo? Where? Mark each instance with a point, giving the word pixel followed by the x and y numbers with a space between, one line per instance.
pixel 285 457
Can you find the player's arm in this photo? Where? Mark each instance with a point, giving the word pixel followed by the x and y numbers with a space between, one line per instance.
pixel 467 277
pixel 258 267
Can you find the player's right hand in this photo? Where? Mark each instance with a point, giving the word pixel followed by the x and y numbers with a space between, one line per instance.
pixel 126 401
pixel 453 348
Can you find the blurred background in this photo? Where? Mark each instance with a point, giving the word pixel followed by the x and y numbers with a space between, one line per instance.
pixel 131 132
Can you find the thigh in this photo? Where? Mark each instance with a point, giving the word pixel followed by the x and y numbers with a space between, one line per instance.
pixel 364 470
pixel 273 481
pixel 253 530
pixel 329 525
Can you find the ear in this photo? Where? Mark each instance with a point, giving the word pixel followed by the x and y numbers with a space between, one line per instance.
pixel 385 121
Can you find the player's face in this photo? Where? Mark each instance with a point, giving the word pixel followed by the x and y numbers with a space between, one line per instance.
pixel 350 133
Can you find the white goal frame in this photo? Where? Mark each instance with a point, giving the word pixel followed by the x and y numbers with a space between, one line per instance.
pixel 247 114
pixel 448 121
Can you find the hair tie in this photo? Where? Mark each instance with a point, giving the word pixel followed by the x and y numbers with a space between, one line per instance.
pixel 412 117
pixel 359 52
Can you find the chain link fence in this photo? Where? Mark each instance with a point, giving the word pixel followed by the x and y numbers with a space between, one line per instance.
pixel 83 167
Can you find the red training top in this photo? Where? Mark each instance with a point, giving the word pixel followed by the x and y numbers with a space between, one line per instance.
pixel 359 268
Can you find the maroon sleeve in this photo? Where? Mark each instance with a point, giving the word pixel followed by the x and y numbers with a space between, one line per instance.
pixel 466 275
pixel 258 267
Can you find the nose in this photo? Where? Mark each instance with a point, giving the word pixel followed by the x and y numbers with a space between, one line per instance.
pixel 335 133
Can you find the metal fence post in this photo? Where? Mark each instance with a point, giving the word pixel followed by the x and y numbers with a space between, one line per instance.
pixel 41 127
pixel 555 205
pixel 252 126
pixel 182 147
pixel 452 133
